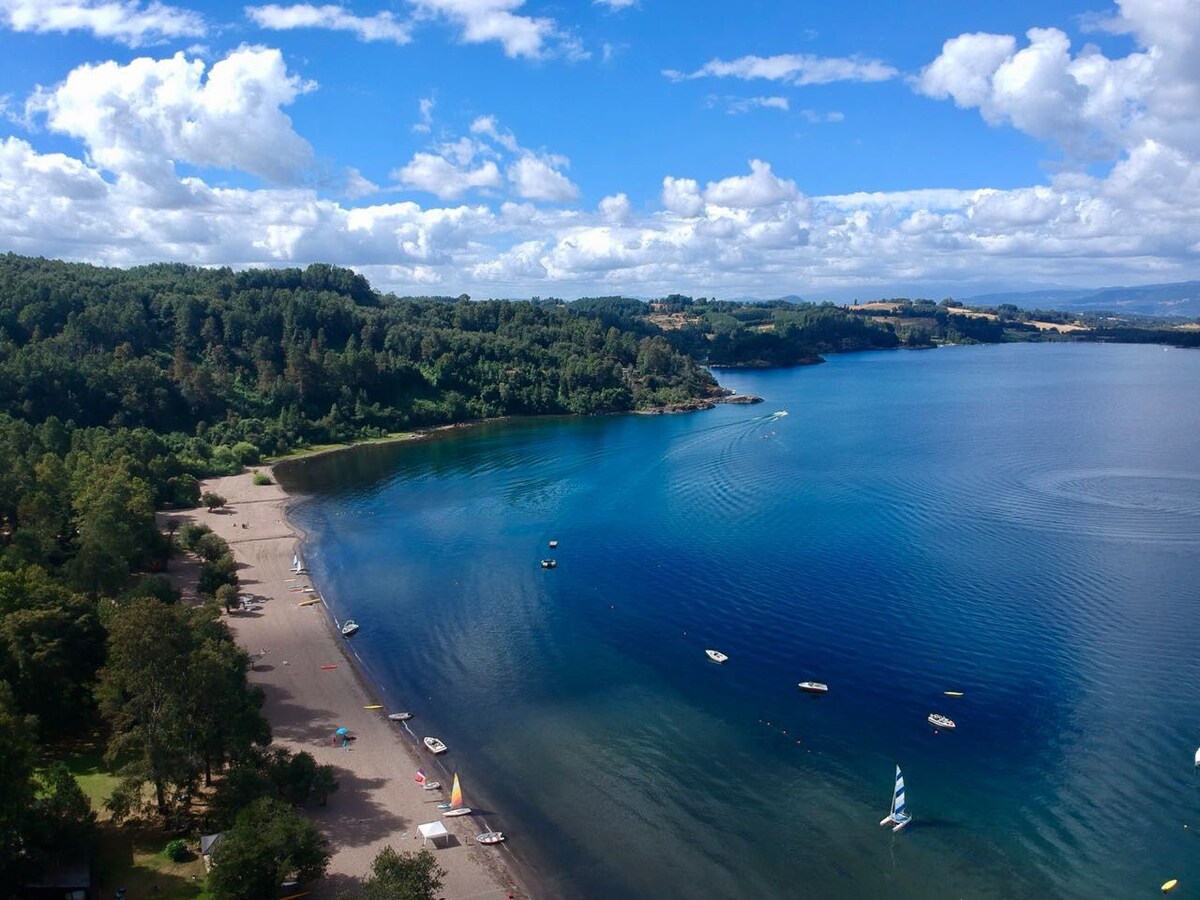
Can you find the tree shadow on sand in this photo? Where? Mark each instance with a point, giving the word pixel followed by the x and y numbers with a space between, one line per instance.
pixel 300 724
pixel 352 818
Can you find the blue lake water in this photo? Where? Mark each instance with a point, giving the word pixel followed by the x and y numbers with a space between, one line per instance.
pixel 1019 523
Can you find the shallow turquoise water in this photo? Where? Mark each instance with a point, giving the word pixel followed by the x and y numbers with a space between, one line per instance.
pixel 1021 523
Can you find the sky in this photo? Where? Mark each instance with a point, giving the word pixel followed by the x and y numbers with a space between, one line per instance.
pixel 518 148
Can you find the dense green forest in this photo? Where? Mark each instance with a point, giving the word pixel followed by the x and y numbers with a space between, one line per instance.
pixel 121 389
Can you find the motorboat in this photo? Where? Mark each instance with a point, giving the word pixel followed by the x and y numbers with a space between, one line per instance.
pixel 400 717
pixel 490 837
pixel 434 745
pixel 549 563
pixel 813 687
pixel 349 627
pixel 937 720
pixel 716 656
pixel 553 544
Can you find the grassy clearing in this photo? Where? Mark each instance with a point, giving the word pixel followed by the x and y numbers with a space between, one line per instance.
pixel 135 858
pixel 325 448
pixel 85 760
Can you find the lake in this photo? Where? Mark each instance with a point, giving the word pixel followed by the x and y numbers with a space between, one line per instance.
pixel 1020 523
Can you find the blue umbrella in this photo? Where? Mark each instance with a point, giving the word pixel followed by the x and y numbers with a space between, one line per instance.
pixel 341 731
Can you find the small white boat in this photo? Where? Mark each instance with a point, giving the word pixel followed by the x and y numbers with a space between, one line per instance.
pixel 349 627
pixel 553 544
pixel 937 720
pixel 434 745
pixel 897 818
pixel 400 717
pixel 1198 757
pixel 813 687
pixel 716 656
pixel 549 563
pixel 490 837
pixel 461 811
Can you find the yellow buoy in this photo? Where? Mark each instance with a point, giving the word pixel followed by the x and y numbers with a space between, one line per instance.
pixel 1169 885
pixel 376 706
pixel 953 693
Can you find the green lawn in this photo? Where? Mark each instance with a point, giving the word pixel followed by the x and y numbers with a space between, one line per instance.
pixel 131 856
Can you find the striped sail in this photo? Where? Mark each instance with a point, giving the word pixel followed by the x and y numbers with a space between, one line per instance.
pixel 456 794
pixel 898 797
pixel 898 817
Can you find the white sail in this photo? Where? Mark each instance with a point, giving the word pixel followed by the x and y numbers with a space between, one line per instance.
pixel 898 817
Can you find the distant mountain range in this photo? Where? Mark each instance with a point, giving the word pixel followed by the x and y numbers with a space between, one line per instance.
pixel 1179 300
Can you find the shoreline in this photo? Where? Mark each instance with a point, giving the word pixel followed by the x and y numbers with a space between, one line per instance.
pixel 377 802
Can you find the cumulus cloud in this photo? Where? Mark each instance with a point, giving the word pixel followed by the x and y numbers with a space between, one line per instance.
pixel 1090 105
pixel 792 68
pixel 760 188
pixel 538 178
pixel 128 22
pixel 681 196
pixel 481 21
pixel 137 119
pixel 446 179
pixel 616 208
pixel 425 105
pixel 383 26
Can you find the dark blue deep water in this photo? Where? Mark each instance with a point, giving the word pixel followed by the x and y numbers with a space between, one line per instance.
pixel 1020 523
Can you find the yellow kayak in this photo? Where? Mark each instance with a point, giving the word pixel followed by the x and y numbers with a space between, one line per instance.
pixel 309 602
pixel 953 693
pixel 1169 885
pixel 376 706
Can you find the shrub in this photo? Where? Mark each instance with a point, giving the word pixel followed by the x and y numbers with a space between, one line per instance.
pixel 190 533
pixel 177 851
pixel 262 478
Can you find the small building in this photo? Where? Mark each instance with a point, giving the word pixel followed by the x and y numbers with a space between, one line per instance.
pixel 68 878
pixel 208 843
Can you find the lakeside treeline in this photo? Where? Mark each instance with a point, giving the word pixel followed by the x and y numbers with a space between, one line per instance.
pixel 121 389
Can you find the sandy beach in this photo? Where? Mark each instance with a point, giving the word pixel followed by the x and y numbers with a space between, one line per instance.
pixel 313 688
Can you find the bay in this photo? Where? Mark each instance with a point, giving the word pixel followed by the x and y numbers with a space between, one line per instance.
pixel 1020 523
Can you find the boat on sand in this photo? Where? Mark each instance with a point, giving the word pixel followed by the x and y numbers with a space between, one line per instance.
pixel 434 745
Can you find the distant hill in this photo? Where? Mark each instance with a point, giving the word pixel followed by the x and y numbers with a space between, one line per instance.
pixel 1180 300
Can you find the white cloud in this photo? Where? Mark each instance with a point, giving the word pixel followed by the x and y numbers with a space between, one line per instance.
pixel 426 105
pixel 814 117
pixel 126 21
pixel 737 105
pixel 681 196
pixel 445 179
pixel 615 5
pixel 616 208
pixel 383 26
pixel 481 21
pixel 137 119
pixel 537 178
pixel 792 68
pixel 1090 105
pixel 760 188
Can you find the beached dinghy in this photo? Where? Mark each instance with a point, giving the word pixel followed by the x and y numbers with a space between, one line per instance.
pixel 490 837
pixel 400 717
pixel 455 806
pixel 434 745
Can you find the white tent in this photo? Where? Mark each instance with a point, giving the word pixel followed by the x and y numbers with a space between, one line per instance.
pixel 433 831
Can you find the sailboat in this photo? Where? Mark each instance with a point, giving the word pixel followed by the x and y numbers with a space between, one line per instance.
pixel 897 818
pixel 424 782
pixel 455 806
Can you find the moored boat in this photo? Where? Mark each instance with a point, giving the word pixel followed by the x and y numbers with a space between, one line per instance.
pixel 349 627
pixel 716 656
pixel 813 687
pixel 549 563
pixel 400 716
pixel 434 745
pixel 937 720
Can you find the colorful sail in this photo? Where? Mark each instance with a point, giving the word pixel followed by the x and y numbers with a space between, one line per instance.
pixel 419 778
pixel 456 794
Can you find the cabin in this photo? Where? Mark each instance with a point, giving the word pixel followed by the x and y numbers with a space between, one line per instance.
pixel 68 878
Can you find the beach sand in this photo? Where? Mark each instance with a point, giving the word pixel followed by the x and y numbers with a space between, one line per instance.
pixel 377 803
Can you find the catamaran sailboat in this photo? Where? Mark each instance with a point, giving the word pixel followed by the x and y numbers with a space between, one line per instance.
pixel 455 806
pixel 897 818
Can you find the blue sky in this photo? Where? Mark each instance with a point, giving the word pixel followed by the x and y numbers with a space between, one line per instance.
pixel 508 149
